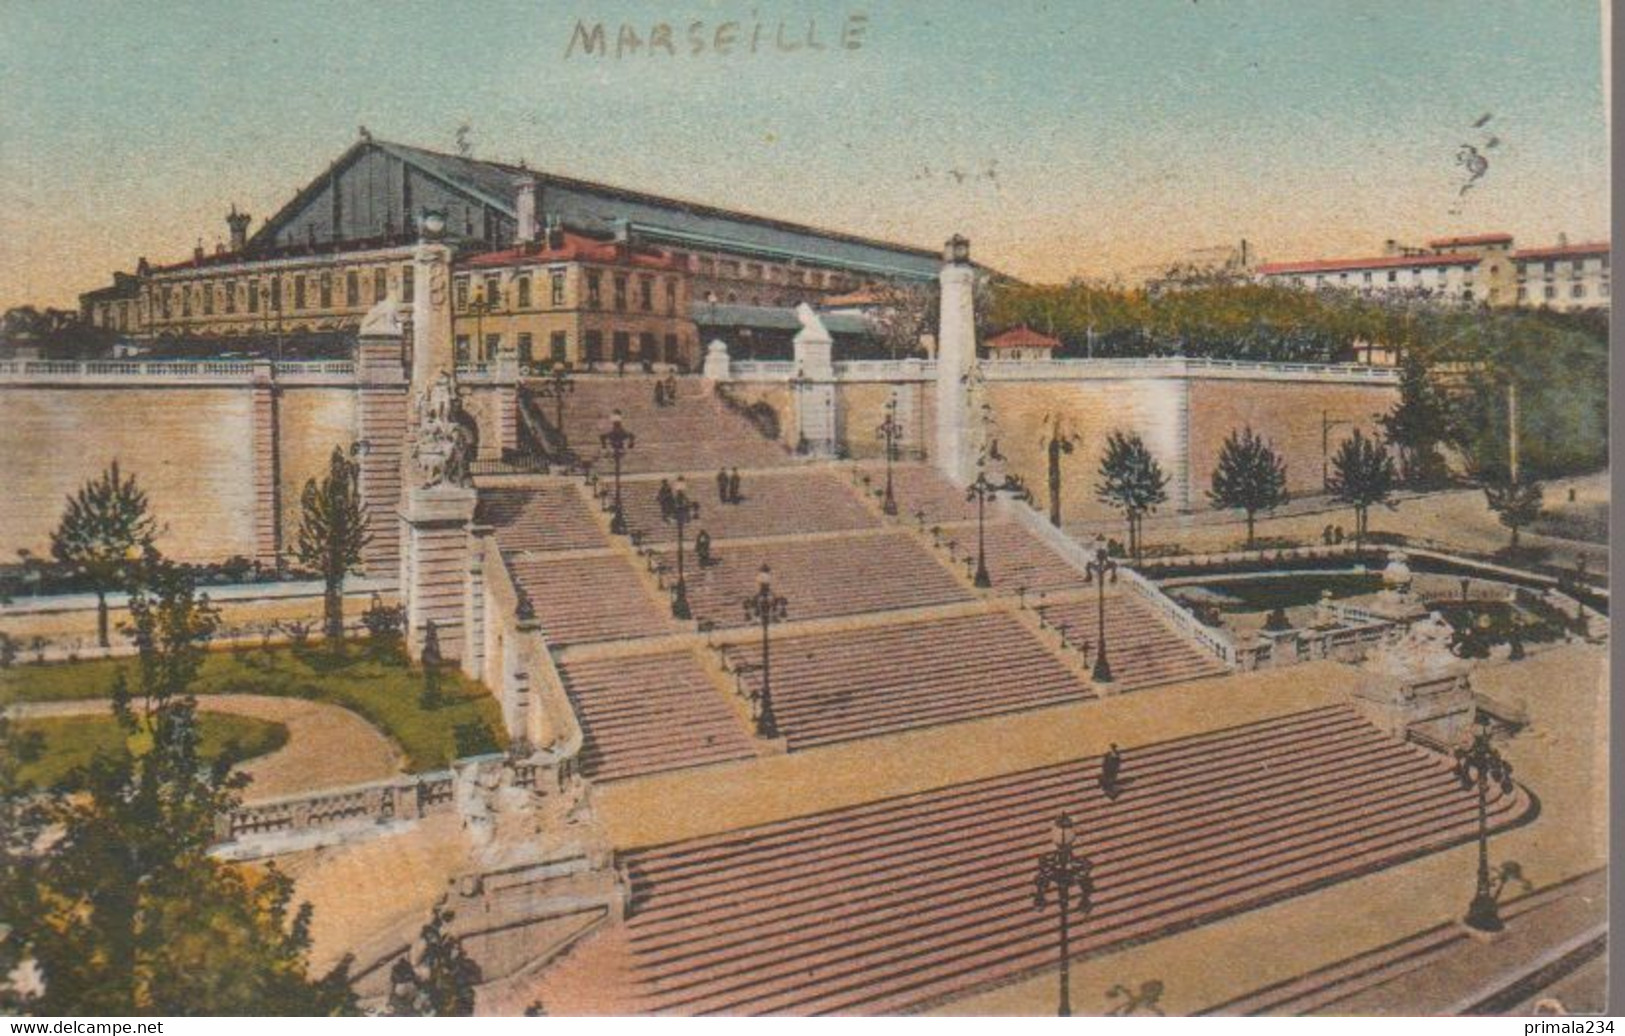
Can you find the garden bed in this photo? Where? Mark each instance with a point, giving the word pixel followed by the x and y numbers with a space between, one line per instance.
pixel 66 744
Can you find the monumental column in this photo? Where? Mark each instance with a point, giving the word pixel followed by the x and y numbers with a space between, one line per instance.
pixel 956 358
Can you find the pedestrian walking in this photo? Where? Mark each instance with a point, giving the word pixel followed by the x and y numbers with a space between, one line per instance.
pixel 734 496
pixel 702 548
pixel 722 485
pixel 1110 767
pixel 660 393
pixel 667 500
pixel 671 389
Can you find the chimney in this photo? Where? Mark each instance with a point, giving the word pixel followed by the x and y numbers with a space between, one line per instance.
pixel 1562 241
pixel 555 233
pixel 238 222
pixel 197 251
pixel 1390 247
pixel 526 208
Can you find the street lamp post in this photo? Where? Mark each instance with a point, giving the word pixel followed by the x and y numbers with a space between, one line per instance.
pixel 1097 571
pixel 980 490
pixel 766 607
pixel 889 432
pixel 617 440
pixel 1479 764
pixel 683 511
pixel 1061 870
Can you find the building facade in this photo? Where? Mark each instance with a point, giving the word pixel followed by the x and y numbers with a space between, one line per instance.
pixel 344 242
pixel 1482 268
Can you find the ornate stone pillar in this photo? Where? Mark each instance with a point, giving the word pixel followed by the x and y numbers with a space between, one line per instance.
pixel 956 356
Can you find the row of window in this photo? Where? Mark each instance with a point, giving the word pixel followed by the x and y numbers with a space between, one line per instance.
pixel 650 349
pixel 1576 266
pixel 734 269
pixel 490 298
pixel 1576 291
pixel 229 295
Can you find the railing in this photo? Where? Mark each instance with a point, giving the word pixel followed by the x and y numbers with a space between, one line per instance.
pixel 1167 365
pixel 886 370
pixel 762 370
pixel 241 371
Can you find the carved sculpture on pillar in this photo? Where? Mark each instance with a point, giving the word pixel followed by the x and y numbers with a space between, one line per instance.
pixel 443 448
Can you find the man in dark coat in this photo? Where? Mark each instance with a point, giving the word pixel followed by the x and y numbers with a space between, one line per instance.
pixel 667 500
pixel 1110 767
pixel 702 548
pixel 733 487
pixel 722 485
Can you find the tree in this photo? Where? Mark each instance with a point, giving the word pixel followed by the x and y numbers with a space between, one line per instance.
pixel 332 534
pixel 132 915
pixel 1249 476
pixel 106 525
pixel 1418 423
pixel 1132 481
pixel 1362 475
pixel 440 982
pixel 1515 503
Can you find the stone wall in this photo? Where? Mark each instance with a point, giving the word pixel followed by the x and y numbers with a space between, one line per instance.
pixel 222 462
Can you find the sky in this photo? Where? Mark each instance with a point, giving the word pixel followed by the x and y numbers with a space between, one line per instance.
pixel 1084 138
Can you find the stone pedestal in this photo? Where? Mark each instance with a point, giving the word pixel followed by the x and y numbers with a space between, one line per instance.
pixel 432 350
pixel 818 419
pixel 718 366
pixel 434 526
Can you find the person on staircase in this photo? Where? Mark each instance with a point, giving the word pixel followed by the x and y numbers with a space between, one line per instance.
pixel 667 500
pixel 702 549
pixel 734 496
pixel 722 485
pixel 1111 766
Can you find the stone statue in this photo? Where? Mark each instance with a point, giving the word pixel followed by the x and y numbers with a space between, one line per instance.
pixel 443 449
pixel 1423 651
pixel 811 325
pixel 383 320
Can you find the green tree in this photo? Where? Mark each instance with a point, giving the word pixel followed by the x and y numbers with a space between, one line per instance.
pixel 23 816
pixel 105 527
pixel 1418 423
pixel 441 983
pixel 1516 503
pixel 133 916
pixel 332 535
pixel 1362 475
pixel 1250 476
pixel 1132 481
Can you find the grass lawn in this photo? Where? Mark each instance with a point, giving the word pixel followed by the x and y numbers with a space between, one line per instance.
pixel 67 743
pixel 464 721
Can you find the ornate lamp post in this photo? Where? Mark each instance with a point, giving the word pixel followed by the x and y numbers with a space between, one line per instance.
pixel 683 511
pixel 1060 870
pixel 766 607
pixel 617 440
pixel 889 432
pixel 980 490
pixel 1479 764
pixel 1096 572
pixel 556 386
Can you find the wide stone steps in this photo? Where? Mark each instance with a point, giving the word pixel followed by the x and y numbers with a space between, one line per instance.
pixel 892 905
pixel 821 578
pixel 650 714
pixel 860 683
pixel 696 434
pixel 1142 650
pixel 550 517
pixel 578 600
pixel 779 504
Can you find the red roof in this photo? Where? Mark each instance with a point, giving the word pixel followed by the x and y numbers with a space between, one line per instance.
pixel 1380 262
pixel 576 248
pixel 1584 249
pixel 1022 337
pixel 1470 239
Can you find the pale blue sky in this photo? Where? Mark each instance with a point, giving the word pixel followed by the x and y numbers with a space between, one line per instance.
pixel 1119 133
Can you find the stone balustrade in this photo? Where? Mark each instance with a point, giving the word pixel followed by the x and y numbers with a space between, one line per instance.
pixel 171 372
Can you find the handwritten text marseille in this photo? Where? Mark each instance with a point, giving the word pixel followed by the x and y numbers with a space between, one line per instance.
pixel 723 38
